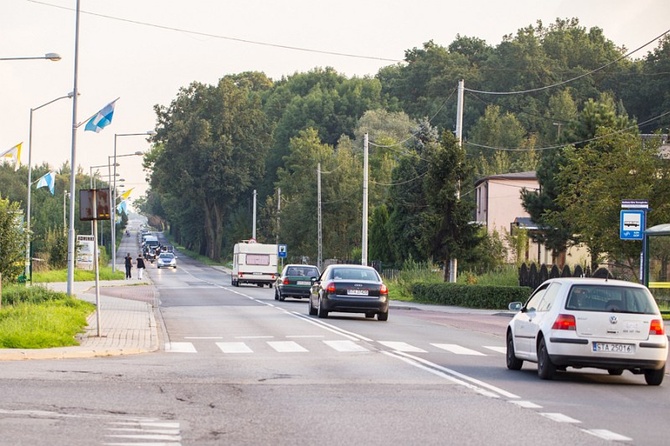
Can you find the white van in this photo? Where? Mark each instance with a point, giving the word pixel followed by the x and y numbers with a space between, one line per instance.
pixel 254 263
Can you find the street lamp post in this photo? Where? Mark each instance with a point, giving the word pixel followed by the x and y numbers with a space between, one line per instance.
pixel 30 178
pixel 113 192
pixel 54 57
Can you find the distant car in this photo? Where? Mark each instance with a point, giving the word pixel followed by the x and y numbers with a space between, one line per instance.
pixel 349 289
pixel 166 260
pixel 295 281
pixel 586 322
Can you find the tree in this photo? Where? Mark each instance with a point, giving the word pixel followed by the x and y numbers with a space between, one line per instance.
pixel 407 200
pixel 544 208
pixel 446 231
pixel 597 177
pixel 213 143
pixel 12 241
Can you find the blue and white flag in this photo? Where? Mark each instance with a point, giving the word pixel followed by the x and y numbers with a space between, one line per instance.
pixel 122 207
pixel 102 119
pixel 47 180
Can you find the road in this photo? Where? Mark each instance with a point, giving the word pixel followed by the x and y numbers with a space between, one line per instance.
pixel 240 368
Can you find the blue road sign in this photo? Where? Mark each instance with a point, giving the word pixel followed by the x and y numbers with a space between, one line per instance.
pixel 281 251
pixel 632 225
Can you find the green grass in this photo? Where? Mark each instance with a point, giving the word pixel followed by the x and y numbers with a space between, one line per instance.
pixel 60 275
pixel 35 317
pixel 507 276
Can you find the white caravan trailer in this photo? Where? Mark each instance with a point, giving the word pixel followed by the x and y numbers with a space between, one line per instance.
pixel 254 263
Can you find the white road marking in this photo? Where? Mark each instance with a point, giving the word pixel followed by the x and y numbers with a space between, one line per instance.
pixel 402 347
pixel 254 337
pixel 345 346
pixel 234 347
pixel 479 386
pixel 180 347
pixel 458 350
pixel 559 417
pixel 203 337
pixel 527 404
pixel 607 435
pixel 502 350
pixel 287 347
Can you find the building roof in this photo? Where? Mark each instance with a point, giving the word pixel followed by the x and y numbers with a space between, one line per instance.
pixel 530 175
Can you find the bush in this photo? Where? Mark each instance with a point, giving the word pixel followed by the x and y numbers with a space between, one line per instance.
pixel 470 296
pixel 415 272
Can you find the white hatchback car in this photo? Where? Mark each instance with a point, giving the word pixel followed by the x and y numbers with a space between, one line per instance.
pixel 585 322
pixel 166 260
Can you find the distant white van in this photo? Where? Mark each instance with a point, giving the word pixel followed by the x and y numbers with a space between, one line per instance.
pixel 254 263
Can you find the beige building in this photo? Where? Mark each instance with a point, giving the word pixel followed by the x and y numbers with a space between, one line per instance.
pixel 499 208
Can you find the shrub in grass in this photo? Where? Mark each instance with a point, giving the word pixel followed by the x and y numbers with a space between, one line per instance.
pixel 15 294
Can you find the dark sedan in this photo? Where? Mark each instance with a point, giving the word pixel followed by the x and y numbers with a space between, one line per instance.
pixel 349 289
pixel 295 281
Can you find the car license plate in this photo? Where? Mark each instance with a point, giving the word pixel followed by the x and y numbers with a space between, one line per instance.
pixel 357 292
pixel 604 347
pixel 303 282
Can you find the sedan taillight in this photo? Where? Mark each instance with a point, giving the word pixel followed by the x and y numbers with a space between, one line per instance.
pixel 285 282
pixel 384 289
pixel 330 288
pixel 565 322
pixel 656 327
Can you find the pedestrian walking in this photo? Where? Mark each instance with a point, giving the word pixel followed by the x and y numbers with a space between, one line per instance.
pixel 140 266
pixel 129 266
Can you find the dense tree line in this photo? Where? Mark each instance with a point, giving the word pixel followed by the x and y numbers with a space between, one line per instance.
pixel 564 84
pixel 559 99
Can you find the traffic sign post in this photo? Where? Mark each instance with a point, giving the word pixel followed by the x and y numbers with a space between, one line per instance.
pixel 632 226
pixel 281 253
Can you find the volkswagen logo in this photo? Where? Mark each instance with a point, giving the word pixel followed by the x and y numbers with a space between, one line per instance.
pixel 614 320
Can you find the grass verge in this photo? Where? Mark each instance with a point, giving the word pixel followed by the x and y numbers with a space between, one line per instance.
pixel 60 275
pixel 35 317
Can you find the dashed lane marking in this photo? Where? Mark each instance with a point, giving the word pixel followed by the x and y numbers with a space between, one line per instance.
pixel 402 347
pixel 458 350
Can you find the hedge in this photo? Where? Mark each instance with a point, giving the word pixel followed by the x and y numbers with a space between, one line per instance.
pixel 469 296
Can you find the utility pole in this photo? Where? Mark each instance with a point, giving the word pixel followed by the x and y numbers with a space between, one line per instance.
pixel 364 238
pixel 319 232
pixel 254 218
pixel 453 261
pixel 278 212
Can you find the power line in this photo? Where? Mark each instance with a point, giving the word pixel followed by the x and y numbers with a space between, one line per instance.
pixel 595 138
pixel 217 36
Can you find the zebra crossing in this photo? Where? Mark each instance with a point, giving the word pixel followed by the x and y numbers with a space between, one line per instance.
pixel 251 345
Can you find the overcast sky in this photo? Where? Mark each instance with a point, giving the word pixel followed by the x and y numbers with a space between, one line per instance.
pixel 143 51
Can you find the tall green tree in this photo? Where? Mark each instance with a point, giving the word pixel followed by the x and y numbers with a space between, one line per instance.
pixel 558 230
pixel 212 146
pixel 446 231
pixel 321 99
pixel 407 199
pixel 595 179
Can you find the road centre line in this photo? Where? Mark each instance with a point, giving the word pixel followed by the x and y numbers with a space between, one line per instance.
pixel 435 371
pixel 460 376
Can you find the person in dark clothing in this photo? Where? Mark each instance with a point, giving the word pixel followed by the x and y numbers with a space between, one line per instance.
pixel 129 266
pixel 140 266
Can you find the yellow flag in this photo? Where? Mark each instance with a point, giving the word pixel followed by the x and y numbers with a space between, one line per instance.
pixel 15 154
pixel 126 194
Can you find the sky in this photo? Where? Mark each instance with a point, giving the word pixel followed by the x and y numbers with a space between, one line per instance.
pixel 144 51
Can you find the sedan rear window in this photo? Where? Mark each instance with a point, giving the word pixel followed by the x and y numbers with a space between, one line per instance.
pixel 610 299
